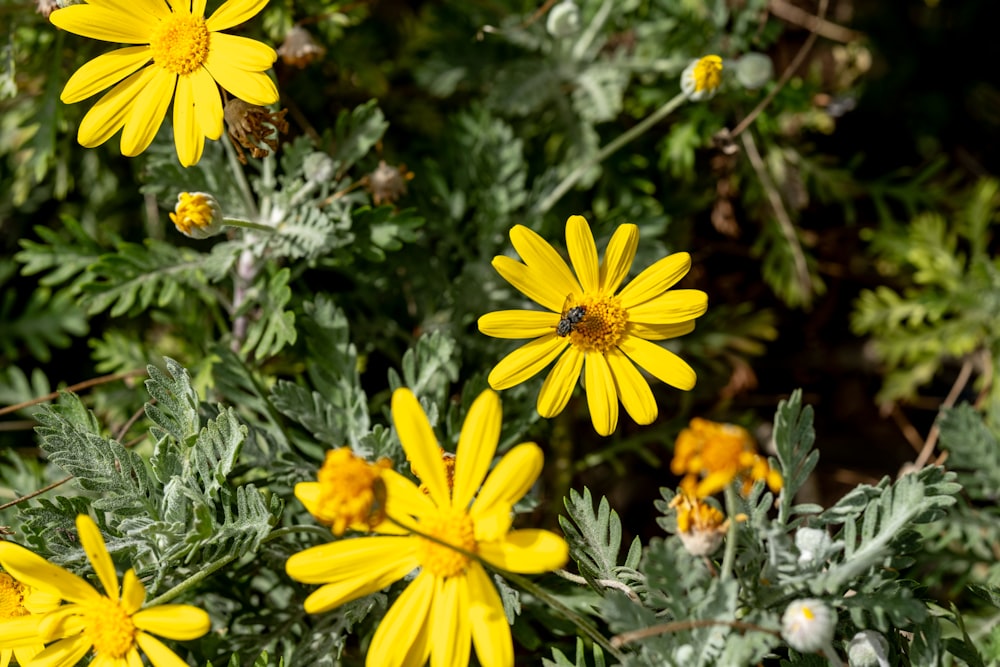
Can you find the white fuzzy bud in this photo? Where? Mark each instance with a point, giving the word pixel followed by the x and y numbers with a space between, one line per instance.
pixel 563 19
pixel 868 649
pixel 808 625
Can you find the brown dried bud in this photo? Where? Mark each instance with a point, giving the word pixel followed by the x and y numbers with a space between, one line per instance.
pixel 300 48
pixel 387 184
pixel 254 128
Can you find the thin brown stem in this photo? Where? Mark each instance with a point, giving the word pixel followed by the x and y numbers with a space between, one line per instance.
pixel 932 436
pixel 797 16
pixel 86 384
pixel 680 626
pixel 38 492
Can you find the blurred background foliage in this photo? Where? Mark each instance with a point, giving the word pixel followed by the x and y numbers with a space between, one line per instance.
pixel 845 238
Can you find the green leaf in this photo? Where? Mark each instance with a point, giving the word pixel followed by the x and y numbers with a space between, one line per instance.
pixel 793 440
pixel 973 451
pixel 175 410
pixel 356 133
pixel 594 539
pixel 275 328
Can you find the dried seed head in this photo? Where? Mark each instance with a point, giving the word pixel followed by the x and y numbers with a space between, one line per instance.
pixel 300 48
pixel 387 184
pixel 254 128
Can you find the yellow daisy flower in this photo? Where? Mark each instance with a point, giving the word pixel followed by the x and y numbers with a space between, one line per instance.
pixel 177 55
pixel 113 625
pixel 21 609
pixel 701 79
pixel 589 328
pixel 451 603
pixel 719 454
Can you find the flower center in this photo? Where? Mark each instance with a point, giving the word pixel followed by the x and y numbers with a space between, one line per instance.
pixel 109 628
pixel 708 73
pixel 724 449
pixel 180 43
pixel 348 488
pixel 192 210
pixel 11 597
pixel 453 527
pixel 602 325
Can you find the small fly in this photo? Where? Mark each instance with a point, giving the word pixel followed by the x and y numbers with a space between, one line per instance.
pixel 570 318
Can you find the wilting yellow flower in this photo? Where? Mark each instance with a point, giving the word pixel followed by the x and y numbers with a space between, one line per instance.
pixel 197 215
pixel 21 609
pixel 701 79
pixel 346 491
pixel 451 602
pixel 719 454
pixel 700 526
pixel 177 55
pixel 596 332
pixel 114 626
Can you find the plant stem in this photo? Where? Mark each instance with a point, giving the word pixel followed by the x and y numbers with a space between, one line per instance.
pixel 637 130
pixel 247 224
pixel 729 557
pixel 192 581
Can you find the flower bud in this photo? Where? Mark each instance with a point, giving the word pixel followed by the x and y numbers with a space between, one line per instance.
pixel 701 79
pixel 300 48
pixel 197 215
pixel 753 70
pixel 868 649
pixel 813 544
pixel 563 19
pixel 808 625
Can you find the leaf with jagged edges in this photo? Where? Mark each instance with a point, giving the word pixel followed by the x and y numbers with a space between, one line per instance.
pixel 429 368
pixel 271 326
pixel 973 451
pixel 174 410
pixel 595 540
pixel 64 253
pixel 559 658
pixel 356 132
pixel 873 537
pixel 71 437
pixel 793 440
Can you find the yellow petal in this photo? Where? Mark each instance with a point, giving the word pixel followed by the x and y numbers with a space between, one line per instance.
pixel 244 53
pixel 365 557
pixel 490 630
pixel 147 112
pixel 252 87
pixel 234 12
pixel 526 361
pixel 543 260
pixel 560 383
pixel 536 286
pixel 152 9
pixel 633 389
pixel 679 305
pixel 477 445
pixel 308 494
pixel 403 497
pixel 208 103
pixel 601 397
pixel 188 137
pixel 111 111
pixel 97 553
pixel 198 8
pixel 31 569
pixel 656 280
pixel 659 362
pixel 512 477
pixel 65 621
pixel 420 444
pixel 618 257
pixel 173 621
pixel 65 652
pixel 583 253
pixel 527 551
pixel 451 635
pixel 133 592
pixel 157 652
pixel 660 331
pixel 104 71
pixel 101 23
pixel 518 323
pixel 18 631
pixel 333 595
pixel 403 636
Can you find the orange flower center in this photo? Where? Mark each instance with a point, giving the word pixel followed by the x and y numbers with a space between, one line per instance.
pixel 602 326
pixel 348 489
pixel 109 628
pixel 180 43
pixel 707 73
pixel 452 527
pixel 11 597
